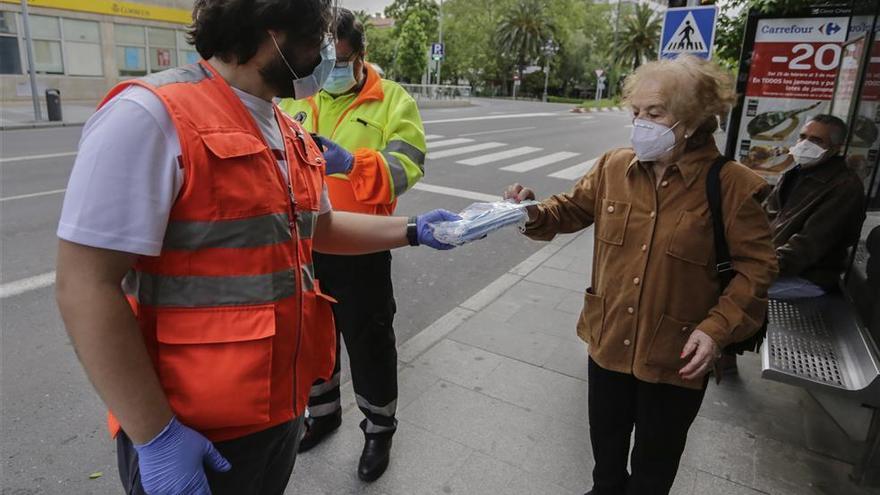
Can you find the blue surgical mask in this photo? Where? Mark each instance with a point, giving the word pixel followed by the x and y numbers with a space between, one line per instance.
pixel 304 87
pixel 651 140
pixel 341 80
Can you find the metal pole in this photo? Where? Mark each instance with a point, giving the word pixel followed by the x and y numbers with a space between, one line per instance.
pixel 616 29
pixel 32 72
pixel 440 62
pixel 546 79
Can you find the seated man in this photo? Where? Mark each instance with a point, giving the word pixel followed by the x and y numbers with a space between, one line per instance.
pixel 816 212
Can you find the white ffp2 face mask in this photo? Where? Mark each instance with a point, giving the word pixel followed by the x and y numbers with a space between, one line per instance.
pixel 651 140
pixel 806 153
pixel 304 87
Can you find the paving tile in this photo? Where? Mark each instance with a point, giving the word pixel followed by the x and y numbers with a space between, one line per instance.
pixel 559 278
pixel 721 449
pixel 507 339
pixel 559 261
pixel 570 359
pixel 573 303
pixel 412 382
pixel 685 479
pixel 526 292
pixel 482 474
pixel 458 363
pixel 710 484
pixel 556 323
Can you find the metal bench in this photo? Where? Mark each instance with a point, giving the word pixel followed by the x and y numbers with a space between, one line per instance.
pixel 822 344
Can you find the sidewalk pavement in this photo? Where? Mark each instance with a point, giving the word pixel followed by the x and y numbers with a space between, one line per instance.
pixel 493 400
pixel 20 114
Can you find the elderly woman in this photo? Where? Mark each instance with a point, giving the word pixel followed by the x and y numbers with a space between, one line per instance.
pixel 655 316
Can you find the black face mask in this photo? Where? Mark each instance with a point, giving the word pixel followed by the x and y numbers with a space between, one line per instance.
pixel 276 73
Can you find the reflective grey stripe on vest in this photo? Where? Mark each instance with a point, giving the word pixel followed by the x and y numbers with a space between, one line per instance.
pixel 305 223
pixel 200 291
pixel 398 173
pixel 308 278
pixel 249 232
pixel 191 73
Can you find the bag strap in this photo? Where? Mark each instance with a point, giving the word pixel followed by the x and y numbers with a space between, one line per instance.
pixel 724 265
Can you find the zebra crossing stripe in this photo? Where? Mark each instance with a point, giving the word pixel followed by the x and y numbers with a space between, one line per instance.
pixel 541 161
pixel 429 137
pixel 464 150
pixel 449 142
pixel 575 172
pixel 501 155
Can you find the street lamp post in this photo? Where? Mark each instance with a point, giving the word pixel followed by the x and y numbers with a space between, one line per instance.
pixel 32 72
pixel 440 62
pixel 550 49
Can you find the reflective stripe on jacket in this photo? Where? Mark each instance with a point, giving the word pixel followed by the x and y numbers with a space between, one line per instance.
pixel 382 128
pixel 230 310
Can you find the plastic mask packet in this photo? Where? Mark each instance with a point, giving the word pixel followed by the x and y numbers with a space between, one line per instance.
pixel 481 219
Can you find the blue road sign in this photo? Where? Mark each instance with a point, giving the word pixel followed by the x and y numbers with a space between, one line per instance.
pixel 438 51
pixel 688 30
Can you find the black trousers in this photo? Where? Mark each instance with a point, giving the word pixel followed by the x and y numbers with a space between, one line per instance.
pixel 365 319
pixel 661 415
pixel 262 462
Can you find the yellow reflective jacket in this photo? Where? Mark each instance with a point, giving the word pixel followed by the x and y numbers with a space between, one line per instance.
pixel 382 128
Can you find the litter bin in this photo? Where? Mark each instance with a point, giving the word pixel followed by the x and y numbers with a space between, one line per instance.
pixel 53 104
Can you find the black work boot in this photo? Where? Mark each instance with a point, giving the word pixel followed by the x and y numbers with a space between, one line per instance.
pixel 376 455
pixel 318 428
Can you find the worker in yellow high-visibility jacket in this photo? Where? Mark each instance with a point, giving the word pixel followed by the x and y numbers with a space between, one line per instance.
pixel 374 145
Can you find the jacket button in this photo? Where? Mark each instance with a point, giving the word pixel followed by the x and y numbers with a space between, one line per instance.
pixel 684 329
pixel 631 310
pixel 644 247
pixel 665 183
pixel 653 214
pixel 637 280
pixel 627 342
pixel 611 209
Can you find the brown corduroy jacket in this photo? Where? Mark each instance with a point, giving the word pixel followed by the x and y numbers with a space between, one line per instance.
pixel 654 279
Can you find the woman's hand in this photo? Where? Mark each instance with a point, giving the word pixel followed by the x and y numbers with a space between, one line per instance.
pixel 704 351
pixel 518 194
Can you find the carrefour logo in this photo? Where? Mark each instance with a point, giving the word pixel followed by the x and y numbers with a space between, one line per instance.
pixel 829 28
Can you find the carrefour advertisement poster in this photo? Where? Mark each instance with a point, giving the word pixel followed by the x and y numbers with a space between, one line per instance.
pixel 791 78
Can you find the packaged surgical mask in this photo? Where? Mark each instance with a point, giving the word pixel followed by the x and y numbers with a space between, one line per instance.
pixel 651 140
pixel 341 80
pixel 807 153
pixel 481 219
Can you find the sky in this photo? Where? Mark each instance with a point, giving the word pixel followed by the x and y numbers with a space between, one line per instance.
pixel 371 6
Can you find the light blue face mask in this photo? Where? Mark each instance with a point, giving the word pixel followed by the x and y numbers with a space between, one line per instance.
pixel 341 79
pixel 304 87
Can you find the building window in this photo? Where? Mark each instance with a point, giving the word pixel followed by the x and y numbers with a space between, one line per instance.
pixel 187 54
pixel 131 49
pixel 163 49
pixel 10 57
pixel 82 47
pixel 46 33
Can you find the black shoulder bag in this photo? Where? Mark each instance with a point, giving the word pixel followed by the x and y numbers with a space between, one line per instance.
pixel 724 265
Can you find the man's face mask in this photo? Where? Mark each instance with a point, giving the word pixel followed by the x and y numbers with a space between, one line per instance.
pixel 300 86
pixel 651 140
pixel 807 153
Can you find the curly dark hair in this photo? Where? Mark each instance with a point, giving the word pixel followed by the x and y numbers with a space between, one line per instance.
pixel 232 30
pixel 350 29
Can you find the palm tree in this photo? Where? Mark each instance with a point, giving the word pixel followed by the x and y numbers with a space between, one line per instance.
pixel 363 17
pixel 524 31
pixel 640 37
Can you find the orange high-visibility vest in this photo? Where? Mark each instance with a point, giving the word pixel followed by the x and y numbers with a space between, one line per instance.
pixel 230 311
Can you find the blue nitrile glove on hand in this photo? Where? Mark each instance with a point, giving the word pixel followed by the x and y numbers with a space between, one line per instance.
pixel 339 160
pixel 174 462
pixel 426 230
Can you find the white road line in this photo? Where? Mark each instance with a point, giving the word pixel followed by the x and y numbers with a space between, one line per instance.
pixel 33 195
pixel 575 172
pixel 499 131
pixel 36 157
pixel 463 150
pixel 429 137
pixel 541 161
pixel 492 117
pixel 449 142
pixel 501 155
pixel 459 193
pixel 26 285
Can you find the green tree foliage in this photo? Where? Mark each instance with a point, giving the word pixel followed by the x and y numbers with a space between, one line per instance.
pixel 732 23
pixel 381 46
pixel 412 50
pixel 523 32
pixel 639 35
pixel 426 11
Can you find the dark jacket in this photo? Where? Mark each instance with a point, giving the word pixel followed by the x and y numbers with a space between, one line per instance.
pixel 816 215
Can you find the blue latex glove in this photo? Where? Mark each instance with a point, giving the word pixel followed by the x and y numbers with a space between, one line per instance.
pixel 339 160
pixel 174 462
pixel 426 230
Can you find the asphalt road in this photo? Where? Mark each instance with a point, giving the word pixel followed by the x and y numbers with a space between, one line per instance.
pixel 53 435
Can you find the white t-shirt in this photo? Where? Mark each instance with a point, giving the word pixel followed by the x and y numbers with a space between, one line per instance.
pixel 127 176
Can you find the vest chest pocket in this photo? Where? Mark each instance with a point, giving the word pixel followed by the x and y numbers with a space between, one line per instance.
pixel 692 240
pixel 611 221
pixel 215 364
pixel 241 172
pixel 369 133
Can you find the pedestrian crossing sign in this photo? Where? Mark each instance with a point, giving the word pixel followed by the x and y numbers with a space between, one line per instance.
pixel 688 30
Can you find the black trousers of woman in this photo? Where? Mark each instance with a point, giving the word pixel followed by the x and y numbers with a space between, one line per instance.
pixel 661 415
